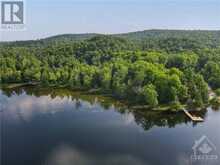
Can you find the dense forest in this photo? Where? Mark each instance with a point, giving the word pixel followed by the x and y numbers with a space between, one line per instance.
pixel 145 68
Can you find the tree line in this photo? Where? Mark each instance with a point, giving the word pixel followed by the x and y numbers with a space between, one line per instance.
pixel 177 74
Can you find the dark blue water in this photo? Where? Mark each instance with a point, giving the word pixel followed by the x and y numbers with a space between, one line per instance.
pixel 62 127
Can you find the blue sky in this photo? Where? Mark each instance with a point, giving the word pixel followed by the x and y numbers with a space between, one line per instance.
pixel 51 17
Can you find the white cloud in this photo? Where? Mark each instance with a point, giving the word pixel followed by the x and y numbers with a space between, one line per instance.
pixel 68 155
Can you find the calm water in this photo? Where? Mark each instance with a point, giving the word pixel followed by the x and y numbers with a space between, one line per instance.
pixel 61 127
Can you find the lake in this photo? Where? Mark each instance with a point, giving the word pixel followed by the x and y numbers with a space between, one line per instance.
pixel 46 126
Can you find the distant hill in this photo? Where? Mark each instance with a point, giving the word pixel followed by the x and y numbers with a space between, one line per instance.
pixel 171 33
pixel 157 37
pixel 51 40
pixel 71 37
pixel 204 37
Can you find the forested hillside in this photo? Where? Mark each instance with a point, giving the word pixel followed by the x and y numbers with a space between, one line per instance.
pixel 145 39
pixel 148 68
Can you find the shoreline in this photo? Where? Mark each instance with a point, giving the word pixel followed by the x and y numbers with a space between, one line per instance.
pixel 159 108
pixel 17 85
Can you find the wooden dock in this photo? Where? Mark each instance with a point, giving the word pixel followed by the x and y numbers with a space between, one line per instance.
pixel 193 118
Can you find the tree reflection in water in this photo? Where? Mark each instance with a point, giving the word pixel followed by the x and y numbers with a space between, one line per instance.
pixel 145 118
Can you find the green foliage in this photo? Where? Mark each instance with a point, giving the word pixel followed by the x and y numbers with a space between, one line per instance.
pixel 150 95
pixel 218 92
pixel 167 68
pixel 211 73
pixel 182 60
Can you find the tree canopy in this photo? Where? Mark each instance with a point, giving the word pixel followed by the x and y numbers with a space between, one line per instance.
pixel 157 70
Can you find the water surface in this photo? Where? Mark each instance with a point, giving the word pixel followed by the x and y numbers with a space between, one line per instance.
pixel 42 126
